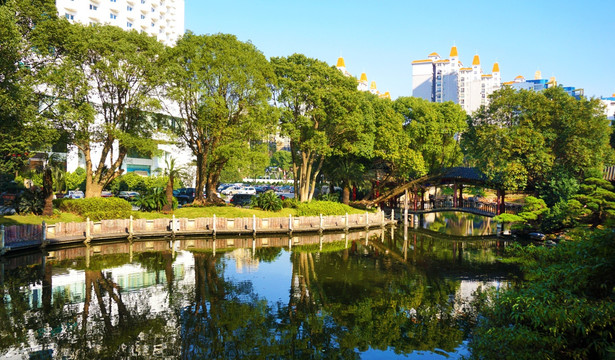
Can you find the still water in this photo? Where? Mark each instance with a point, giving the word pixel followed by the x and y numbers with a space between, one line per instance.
pixel 369 295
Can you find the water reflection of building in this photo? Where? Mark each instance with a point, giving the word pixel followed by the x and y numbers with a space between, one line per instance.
pixel 244 260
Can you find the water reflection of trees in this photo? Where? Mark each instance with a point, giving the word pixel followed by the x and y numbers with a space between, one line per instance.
pixel 340 303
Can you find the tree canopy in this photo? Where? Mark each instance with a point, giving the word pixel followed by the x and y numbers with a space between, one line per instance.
pixel 525 138
pixel 322 115
pixel 221 86
pixel 102 92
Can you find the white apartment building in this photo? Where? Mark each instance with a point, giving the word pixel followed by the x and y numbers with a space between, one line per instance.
pixel 440 80
pixel 163 19
pixel 362 83
pixel 609 107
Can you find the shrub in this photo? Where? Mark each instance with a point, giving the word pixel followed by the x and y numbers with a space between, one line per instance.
pixel 333 197
pixel 152 200
pixel 267 201
pixel 30 202
pixel 96 208
pixel 290 203
pixel 315 208
pixel 565 312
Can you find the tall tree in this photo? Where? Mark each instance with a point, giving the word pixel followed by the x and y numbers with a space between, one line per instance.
pixel 103 90
pixel 24 52
pixel 321 114
pixel 434 129
pixel 524 138
pixel 221 86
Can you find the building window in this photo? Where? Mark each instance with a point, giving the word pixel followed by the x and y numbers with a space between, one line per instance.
pixel 128 24
pixel 129 8
pixel 152 24
pixel 113 0
pixel 153 9
pixel 69 16
pixel 142 1
pixel 113 16
pixel 142 16
pixel 93 7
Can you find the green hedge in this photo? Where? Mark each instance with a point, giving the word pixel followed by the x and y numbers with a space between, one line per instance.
pixel 96 208
pixel 315 208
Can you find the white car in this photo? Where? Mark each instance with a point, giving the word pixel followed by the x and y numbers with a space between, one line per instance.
pixel 231 190
pixel 76 194
pixel 248 190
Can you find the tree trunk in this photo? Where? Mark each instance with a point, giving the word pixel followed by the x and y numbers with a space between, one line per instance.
pixel 201 178
pixel 168 207
pixel 346 193
pixel 48 192
pixel 93 189
pixel 212 184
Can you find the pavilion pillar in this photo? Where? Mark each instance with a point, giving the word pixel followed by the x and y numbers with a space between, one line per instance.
pixel 460 199
pixel 455 194
pixel 502 203
pixel 422 199
pixel 415 198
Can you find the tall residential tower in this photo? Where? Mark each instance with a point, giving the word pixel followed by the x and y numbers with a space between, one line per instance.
pixel 440 80
pixel 163 19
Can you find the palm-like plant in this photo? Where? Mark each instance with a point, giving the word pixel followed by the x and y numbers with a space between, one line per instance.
pixel 153 200
pixel 172 172
pixel 267 201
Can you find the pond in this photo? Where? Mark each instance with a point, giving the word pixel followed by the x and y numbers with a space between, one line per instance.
pixel 378 294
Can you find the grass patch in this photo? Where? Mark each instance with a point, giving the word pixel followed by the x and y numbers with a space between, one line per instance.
pixel 36 219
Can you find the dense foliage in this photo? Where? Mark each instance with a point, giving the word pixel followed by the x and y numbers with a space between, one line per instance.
pixel 525 139
pixel 566 311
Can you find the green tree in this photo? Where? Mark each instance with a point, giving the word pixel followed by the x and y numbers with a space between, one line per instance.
pixel 597 196
pixel 102 92
pixel 221 86
pixel 24 52
pixel 433 129
pixel 524 137
pixel 321 114
pixel 281 159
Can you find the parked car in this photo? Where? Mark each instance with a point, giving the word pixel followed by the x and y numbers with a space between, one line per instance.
pixel 185 195
pixel 106 194
pixel 241 199
pixel 247 190
pixel 231 190
pixel 128 195
pixel 75 194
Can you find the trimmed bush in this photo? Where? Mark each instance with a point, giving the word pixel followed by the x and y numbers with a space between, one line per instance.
pixel 96 208
pixel 315 208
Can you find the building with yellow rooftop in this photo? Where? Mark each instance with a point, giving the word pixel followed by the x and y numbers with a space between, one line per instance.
pixel 362 83
pixel 439 80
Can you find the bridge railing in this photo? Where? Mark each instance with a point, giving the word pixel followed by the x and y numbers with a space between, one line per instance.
pixel 486 207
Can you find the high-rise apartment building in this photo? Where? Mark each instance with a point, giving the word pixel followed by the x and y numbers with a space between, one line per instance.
pixel 362 84
pixel 439 80
pixel 163 19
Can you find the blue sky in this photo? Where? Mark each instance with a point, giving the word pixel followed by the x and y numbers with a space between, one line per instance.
pixel 571 40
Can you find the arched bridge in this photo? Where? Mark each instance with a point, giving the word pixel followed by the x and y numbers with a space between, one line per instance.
pixel 411 195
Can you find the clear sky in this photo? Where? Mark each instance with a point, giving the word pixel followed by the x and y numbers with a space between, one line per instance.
pixel 571 40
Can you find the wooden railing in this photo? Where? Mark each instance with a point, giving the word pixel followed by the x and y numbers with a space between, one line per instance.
pixel 21 236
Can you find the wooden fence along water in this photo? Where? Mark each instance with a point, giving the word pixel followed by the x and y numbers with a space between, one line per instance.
pixel 27 236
